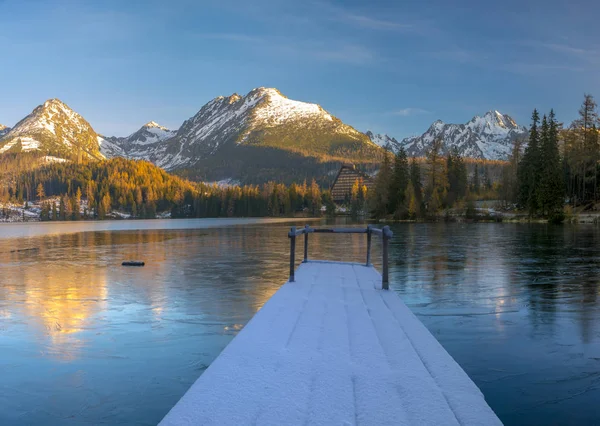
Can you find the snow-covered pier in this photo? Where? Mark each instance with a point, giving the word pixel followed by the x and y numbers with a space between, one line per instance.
pixel 332 347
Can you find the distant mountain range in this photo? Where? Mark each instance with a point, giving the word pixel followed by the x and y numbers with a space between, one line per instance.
pixel 489 137
pixel 143 144
pixel 253 138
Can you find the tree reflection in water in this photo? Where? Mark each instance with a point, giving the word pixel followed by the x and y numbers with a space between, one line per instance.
pixel 84 338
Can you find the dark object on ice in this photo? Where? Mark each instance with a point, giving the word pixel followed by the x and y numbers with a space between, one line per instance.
pixel 133 263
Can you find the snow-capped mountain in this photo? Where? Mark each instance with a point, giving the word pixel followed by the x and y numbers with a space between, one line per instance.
pixel 253 138
pixel 3 130
pixel 257 129
pixel 143 144
pixel 55 129
pixel 491 137
pixel 387 142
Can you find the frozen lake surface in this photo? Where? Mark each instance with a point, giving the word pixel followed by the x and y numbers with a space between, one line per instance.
pixel 84 340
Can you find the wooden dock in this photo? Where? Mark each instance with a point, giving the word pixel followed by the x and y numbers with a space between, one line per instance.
pixel 332 347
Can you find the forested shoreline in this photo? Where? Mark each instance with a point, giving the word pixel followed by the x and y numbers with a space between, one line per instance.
pixel 552 176
pixel 139 189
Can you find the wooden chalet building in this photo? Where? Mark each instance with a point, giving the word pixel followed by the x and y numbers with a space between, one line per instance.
pixel 342 185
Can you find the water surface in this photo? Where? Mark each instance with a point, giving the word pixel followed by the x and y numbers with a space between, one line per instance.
pixel 86 341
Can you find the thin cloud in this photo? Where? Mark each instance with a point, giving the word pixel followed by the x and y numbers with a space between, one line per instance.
pixel 406 112
pixel 565 48
pixel 243 38
pixel 558 47
pixel 530 68
pixel 336 13
pixel 373 23
pixel 329 52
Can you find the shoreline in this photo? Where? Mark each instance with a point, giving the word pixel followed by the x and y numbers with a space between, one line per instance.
pixel 39 229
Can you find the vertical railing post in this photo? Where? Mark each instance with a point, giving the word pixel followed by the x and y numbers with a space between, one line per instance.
pixel 306 227
pixel 369 234
pixel 292 236
pixel 385 276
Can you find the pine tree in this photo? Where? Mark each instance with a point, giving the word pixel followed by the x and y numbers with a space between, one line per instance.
pixel 398 184
pixel 355 206
pixel 417 187
pixel 62 210
pixel 582 152
pixel 437 182
pixel 476 184
pixel 550 191
pixel 457 177
pixel 327 201
pixel 315 192
pixel 413 205
pixel 76 203
pixel 510 173
pixel 45 213
pixel 382 188
pixel 487 181
pixel 40 191
pixel 528 176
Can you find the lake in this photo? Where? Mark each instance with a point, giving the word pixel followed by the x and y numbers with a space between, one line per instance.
pixel 84 340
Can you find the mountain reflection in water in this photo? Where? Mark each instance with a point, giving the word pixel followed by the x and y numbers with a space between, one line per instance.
pixel 84 340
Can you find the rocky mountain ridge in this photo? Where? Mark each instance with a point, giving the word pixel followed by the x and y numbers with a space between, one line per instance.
pixel 254 138
pixel 490 137
pixel 55 129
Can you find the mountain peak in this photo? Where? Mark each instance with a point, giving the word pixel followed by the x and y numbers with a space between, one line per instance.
pixel 269 91
pixel 494 118
pixel 228 127
pixel 56 129
pixel 54 101
pixel 153 125
pixel 384 141
pixel 490 136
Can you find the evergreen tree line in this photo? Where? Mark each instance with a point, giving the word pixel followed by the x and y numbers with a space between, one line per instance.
pixel 399 191
pixel 553 166
pixel 557 165
pixel 539 175
pixel 141 190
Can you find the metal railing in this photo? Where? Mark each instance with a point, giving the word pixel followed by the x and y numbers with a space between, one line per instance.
pixel 385 233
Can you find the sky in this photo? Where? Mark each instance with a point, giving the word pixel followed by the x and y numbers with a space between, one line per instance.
pixel 388 66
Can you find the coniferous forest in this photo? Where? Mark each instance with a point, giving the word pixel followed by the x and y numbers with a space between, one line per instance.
pixel 139 189
pixel 555 170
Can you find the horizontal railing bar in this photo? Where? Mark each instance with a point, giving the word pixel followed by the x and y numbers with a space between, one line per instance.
pixel 338 230
pixel 308 230
pixel 385 232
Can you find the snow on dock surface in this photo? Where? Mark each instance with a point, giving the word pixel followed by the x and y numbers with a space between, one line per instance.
pixel 332 348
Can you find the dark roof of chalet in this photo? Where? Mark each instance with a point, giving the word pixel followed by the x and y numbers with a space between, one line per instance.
pixel 367 178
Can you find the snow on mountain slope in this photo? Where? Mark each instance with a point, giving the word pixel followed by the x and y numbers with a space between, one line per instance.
pixel 490 137
pixel 142 144
pixel 384 141
pixel 109 147
pixel 3 130
pixel 55 129
pixel 150 133
pixel 264 117
pixel 278 109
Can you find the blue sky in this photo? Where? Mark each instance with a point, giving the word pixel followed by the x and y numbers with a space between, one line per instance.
pixel 391 67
